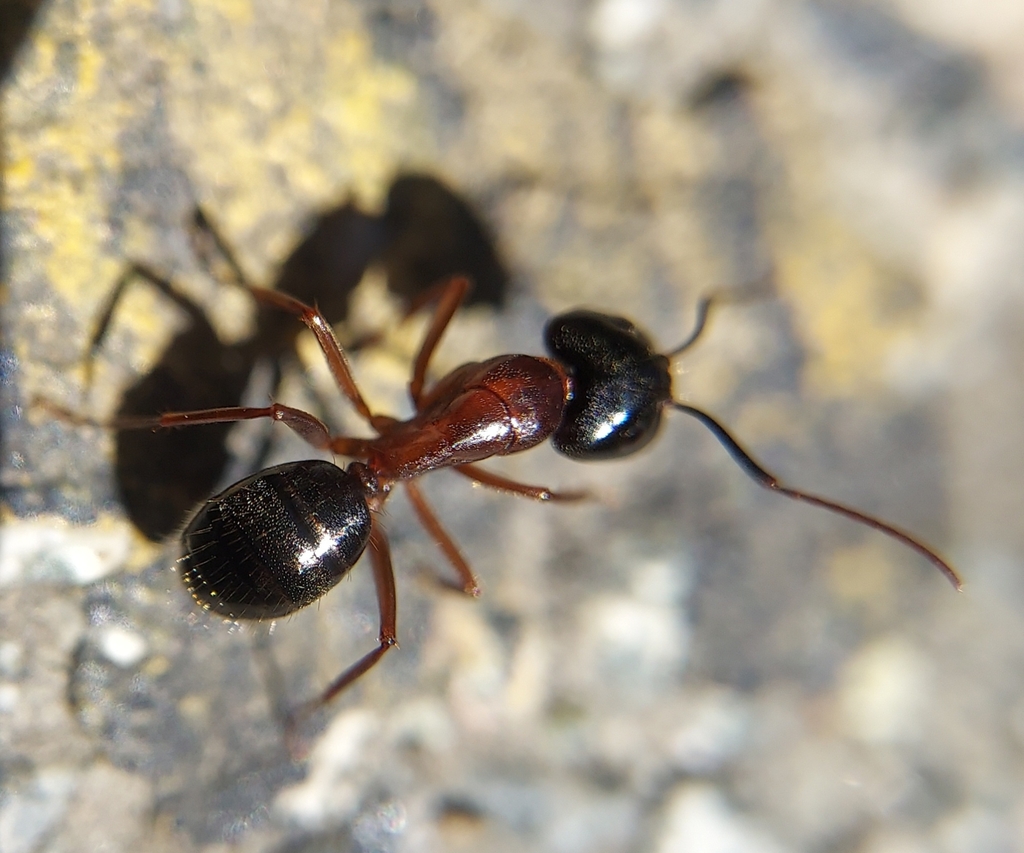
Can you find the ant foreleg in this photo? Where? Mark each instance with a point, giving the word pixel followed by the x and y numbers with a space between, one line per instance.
pixel 769 481
pixel 426 516
pixel 387 601
pixel 504 484
pixel 451 296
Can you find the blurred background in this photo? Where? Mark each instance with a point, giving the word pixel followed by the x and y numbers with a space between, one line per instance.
pixel 685 663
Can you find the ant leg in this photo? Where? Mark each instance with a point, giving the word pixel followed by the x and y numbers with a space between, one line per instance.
pixel 503 484
pixel 416 304
pixel 133 272
pixel 335 355
pixel 310 428
pixel 445 542
pixel 451 295
pixel 428 296
pixel 703 307
pixel 304 424
pixel 257 460
pixel 387 601
pixel 760 476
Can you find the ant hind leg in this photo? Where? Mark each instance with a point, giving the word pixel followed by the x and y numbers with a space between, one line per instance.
pixel 384 580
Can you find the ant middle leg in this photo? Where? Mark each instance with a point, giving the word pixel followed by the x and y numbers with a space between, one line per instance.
pixel 308 427
pixel 450 296
pixel 311 429
pixel 504 484
pixel 329 345
pixel 430 523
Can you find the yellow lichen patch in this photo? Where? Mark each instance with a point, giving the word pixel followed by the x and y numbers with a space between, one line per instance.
pixel 19 172
pixel 52 164
pixel 236 11
pixel 360 92
pixel 90 66
pixel 838 292
pixel 266 114
pixel 278 117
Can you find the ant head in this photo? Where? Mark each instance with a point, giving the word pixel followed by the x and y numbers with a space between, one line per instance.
pixel 620 384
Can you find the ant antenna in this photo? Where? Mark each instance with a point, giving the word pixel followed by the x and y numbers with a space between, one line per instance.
pixel 703 308
pixel 769 481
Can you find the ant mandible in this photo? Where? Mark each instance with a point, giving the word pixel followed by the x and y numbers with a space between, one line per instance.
pixel 278 540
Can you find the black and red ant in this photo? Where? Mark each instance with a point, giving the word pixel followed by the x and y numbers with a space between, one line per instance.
pixel 280 539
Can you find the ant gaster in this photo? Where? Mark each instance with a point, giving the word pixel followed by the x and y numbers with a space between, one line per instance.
pixel 280 539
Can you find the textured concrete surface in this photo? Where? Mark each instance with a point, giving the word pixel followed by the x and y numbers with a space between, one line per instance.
pixel 685 664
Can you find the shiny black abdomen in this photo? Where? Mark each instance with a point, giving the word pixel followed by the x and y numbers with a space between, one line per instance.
pixel 619 385
pixel 276 541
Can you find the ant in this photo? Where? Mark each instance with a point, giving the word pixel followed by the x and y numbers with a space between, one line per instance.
pixel 425 234
pixel 280 539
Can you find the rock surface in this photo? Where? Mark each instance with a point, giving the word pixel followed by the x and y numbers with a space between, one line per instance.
pixel 685 663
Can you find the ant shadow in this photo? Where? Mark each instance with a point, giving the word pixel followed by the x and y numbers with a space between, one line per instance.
pixel 196 714
pixel 426 234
